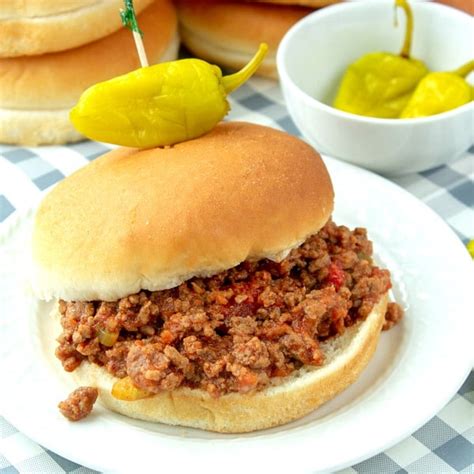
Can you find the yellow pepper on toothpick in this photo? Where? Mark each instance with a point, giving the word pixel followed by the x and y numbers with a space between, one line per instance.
pixel 161 104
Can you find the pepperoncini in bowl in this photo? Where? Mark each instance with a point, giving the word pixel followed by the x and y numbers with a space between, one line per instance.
pixel 380 84
pixel 470 248
pixel 439 92
pixel 159 105
pixel 442 36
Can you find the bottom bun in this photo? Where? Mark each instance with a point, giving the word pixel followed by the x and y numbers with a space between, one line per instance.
pixel 346 357
pixel 37 127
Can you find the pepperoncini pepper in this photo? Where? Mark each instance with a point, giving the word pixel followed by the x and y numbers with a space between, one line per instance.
pixel 439 92
pixel 380 84
pixel 125 389
pixel 470 248
pixel 108 338
pixel 159 105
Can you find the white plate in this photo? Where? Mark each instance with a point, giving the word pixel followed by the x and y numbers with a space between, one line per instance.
pixel 418 366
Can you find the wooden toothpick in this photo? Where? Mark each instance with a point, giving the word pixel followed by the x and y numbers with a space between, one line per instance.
pixel 129 20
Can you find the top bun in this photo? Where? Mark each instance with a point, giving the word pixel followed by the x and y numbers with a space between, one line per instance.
pixel 42 26
pixel 33 8
pixel 151 219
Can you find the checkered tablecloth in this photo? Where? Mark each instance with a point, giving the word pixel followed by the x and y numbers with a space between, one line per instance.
pixel 443 445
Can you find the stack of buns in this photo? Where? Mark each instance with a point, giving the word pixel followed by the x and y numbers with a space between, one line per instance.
pixel 228 32
pixel 51 51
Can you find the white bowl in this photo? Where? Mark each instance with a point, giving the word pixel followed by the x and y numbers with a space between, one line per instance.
pixel 314 54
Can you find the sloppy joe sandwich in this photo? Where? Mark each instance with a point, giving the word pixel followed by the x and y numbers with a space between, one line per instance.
pixel 37 92
pixel 205 284
pixel 228 32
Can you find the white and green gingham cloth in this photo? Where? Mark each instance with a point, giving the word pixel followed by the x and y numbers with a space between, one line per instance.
pixel 443 445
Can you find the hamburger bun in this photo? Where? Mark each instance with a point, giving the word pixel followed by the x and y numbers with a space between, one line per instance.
pixel 228 32
pixel 464 5
pixel 155 217
pixel 38 91
pixel 297 395
pixel 42 26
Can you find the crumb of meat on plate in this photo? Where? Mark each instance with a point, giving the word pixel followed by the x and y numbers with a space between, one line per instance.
pixel 79 403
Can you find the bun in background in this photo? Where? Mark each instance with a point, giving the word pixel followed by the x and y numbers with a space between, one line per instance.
pixel 228 33
pixel 37 92
pixel 42 26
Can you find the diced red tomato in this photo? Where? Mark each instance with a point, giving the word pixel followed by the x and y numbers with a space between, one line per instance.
pixel 336 275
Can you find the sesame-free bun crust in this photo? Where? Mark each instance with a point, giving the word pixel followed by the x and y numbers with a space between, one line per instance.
pixel 30 27
pixel 296 396
pixel 40 8
pixel 37 92
pixel 228 33
pixel 151 219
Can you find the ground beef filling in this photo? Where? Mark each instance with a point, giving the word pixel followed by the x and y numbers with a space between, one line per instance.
pixel 235 331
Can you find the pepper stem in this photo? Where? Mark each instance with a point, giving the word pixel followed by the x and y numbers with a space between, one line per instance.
pixel 233 81
pixel 403 4
pixel 465 69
